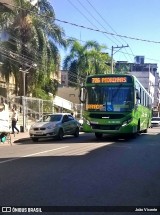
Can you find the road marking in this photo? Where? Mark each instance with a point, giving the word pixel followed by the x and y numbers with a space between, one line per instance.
pixel 38 153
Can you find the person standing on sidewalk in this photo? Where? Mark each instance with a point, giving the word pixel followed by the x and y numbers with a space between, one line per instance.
pixel 14 119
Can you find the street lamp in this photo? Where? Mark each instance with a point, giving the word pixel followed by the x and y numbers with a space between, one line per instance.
pixel 24 72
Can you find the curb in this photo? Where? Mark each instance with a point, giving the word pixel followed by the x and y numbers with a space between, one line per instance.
pixel 21 139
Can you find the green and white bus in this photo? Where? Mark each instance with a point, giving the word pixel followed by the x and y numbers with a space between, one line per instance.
pixel 115 104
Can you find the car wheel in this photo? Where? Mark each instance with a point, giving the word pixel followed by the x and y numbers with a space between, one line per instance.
pixel 98 135
pixel 35 139
pixel 60 134
pixel 76 133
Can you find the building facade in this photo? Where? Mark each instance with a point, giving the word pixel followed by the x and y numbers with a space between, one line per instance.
pixel 64 78
pixel 146 73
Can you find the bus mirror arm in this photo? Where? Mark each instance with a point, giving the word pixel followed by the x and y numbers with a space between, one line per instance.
pixel 82 101
pixel 82 94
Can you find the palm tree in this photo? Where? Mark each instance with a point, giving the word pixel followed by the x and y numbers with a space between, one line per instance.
pixel 33 38
pixel 85 60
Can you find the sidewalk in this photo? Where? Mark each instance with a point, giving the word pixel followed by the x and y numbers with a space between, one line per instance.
pixel 17 138
pixel 22 136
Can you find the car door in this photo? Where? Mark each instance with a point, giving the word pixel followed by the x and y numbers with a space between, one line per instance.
pixel 73 124
pixel 66 124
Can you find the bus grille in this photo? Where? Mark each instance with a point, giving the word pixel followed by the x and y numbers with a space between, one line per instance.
pixel 105 127
pixel 110 116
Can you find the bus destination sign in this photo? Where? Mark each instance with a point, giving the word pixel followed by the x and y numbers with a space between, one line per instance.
pixel 103 80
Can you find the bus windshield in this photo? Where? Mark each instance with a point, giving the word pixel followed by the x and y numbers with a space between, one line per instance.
pixel 117 98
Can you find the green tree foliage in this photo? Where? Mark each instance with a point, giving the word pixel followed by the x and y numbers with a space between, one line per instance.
pixel 86 59
pixel 122 68
pixel 34 38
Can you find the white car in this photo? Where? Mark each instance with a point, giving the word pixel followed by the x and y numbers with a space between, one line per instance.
pixel 54 125
pixel 155 122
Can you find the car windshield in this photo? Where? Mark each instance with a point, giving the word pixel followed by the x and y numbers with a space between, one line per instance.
pixel 52 118
pixel 156 119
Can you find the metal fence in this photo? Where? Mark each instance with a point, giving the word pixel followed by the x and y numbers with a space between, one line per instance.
pixel 32 109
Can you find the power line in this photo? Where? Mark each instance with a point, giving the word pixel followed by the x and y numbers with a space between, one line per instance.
pixel 26 50
pixel 122 36
pixel 88 12
pixel 88 28
pixel 101 16
pixel 118 47
pixel 96 19
pixel 119 51
pixel 7 55
pixel 118 35
pixel 86 18
pixel 107 23
pixel 14 55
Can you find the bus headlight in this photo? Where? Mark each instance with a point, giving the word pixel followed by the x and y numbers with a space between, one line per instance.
pixel 126 122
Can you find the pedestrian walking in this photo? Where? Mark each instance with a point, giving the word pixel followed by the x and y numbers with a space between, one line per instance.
pixel 14 119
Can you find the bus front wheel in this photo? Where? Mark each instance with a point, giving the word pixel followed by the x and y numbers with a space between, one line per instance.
pixel 98 135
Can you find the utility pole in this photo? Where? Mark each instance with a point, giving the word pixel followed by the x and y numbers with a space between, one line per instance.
pixel 117 47
pixel 24 72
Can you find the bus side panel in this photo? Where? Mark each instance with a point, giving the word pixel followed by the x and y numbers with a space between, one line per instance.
pixel 143 117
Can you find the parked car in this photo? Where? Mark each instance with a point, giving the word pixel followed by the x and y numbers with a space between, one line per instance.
pixel 155 122
pixel 54 125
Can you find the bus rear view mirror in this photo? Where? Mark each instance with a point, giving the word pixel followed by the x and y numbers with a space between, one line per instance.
pixel 82 94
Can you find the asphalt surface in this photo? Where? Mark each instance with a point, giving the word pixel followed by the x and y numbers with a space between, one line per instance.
pixel 81 172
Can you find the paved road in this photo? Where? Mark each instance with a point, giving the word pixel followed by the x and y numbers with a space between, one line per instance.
pixel 82 171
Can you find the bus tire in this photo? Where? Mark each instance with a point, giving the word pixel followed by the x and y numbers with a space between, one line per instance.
pixel 138 127
pixel 98 135
pixel 145 131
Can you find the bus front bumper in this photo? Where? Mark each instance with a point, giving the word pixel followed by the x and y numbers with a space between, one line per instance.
pixel 110 129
